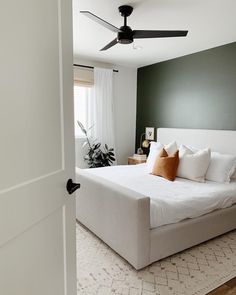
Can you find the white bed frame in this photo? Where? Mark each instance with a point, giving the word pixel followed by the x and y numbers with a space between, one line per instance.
pixel 121 217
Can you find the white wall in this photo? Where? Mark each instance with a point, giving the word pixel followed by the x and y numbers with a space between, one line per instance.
pixel 125 87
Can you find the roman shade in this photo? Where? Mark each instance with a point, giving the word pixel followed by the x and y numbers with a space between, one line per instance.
pixel 83 77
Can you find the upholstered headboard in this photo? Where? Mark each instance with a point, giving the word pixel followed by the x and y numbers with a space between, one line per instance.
pixel 223 141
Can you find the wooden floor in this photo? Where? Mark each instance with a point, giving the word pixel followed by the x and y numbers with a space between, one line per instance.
pixel 228 288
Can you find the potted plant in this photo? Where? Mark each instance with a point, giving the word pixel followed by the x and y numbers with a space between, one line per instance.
pixel 96 155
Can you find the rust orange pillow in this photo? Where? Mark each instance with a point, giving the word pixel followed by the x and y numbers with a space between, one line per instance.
pixel 165 165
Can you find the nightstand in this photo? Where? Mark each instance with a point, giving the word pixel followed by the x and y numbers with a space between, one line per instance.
pixel 133 161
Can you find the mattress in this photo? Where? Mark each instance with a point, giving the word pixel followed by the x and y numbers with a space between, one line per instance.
pixel 171 202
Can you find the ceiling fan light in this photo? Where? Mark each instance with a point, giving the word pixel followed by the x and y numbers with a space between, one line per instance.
pixel 125 41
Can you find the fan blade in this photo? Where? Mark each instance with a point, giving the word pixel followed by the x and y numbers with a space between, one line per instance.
pixel 138 34
pixel 100 21
pixel 109 45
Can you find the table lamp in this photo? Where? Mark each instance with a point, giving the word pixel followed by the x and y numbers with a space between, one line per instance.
pixel 143 143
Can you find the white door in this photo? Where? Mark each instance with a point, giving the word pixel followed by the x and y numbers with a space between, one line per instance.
pixel 37 216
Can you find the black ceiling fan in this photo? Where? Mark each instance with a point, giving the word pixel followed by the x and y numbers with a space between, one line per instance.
pixel 125 35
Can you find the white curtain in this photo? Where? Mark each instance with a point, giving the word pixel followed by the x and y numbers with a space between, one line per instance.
pixel 102 107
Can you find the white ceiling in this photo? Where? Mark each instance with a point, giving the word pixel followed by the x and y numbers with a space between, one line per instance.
pixel 210 23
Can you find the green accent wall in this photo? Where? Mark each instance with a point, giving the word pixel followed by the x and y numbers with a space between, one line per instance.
pixel 193 91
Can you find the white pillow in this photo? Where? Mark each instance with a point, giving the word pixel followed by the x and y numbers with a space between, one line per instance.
pixel 171 148
pixel 155 149
pixel 193 165
pixel 221 168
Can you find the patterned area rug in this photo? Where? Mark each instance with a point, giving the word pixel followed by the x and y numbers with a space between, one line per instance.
pixel 195 271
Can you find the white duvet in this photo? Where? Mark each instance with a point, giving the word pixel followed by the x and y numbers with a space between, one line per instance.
pixel 171 202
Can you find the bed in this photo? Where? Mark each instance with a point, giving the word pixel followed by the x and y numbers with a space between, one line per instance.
pixel 145 218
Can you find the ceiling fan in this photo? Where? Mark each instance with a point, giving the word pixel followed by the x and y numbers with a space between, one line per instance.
pixel 125 35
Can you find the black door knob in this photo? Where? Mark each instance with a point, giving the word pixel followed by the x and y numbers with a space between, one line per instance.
pixel 71 186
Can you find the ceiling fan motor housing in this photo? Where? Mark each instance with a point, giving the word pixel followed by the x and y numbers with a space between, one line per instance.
pixel 125 36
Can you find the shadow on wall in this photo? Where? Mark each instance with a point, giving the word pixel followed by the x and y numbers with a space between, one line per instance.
pixel 80 152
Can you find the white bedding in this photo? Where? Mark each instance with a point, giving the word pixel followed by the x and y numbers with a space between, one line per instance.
pixel 171 202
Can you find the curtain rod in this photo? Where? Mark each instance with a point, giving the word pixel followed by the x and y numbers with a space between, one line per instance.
pixel 90 67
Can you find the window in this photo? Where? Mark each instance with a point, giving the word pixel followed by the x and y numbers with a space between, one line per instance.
pixel 82 97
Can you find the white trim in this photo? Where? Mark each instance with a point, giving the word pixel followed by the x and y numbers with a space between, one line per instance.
pixel 30 181
pixel 61 85
pixel 64 248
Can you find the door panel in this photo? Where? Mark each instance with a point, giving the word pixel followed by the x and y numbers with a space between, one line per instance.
pixel 45 240
pixel 37 216
pixel 30 84
pixel 29 203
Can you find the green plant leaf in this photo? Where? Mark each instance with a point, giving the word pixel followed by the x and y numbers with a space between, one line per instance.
pixel 97 146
